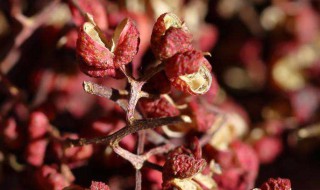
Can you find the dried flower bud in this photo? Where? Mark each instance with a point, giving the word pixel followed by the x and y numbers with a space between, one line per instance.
pixel 182 163
pixel 97 57
pixel 92 51
pixel 276 184
pixel 158 108
pixel 189 72
pixel 170 36
pixel 126 42
pixel 98 186
pixel 164 22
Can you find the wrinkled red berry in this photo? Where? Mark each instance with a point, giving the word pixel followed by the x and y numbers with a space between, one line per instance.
pixel 189 72
pixel 170 36
pixel 158 108
pixel 126 40
pixel 276 184
pixel 92 51
pixel 99 58
pixel 98 186
pixel 182 163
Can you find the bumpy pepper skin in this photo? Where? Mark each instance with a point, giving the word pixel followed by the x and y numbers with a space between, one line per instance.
pixel 99 58
pixel 94 57
pixel 170 36
pixel 158 108
pixel 127 40
pixel 189 72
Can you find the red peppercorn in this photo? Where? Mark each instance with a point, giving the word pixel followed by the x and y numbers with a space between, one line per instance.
pixel 189 72
pixel 158 108
pixel 99 58
pixel 170 36
pixel 276 184
pixel 98 186
pixel 182 163
pixel 92 51
pixel 126 40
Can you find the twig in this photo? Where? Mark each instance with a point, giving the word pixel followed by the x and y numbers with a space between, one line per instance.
pixel 136 160
pixel 138 180
pixel 153 166
pixel 135 95
pixel 117 136
pixel 159 150
pixel 117 96
pixel 140 149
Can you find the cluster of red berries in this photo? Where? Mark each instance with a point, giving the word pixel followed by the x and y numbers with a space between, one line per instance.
pixel 171 42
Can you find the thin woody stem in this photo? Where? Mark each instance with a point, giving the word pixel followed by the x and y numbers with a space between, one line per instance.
pixel 158 150
pixel 135 95
pixel 136 160
pixel 120 134
pixel 140 149
pixel 117 96
pixel 153 166
pixel 138 180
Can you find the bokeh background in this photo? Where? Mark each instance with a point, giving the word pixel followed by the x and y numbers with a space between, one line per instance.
pixel 265 55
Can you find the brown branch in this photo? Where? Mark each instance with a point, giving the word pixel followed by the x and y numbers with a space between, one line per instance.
pixel 153 166
pixel 135 95
pixel 140 149
pixel 114 138
pixel 138 180
pixel 117 96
